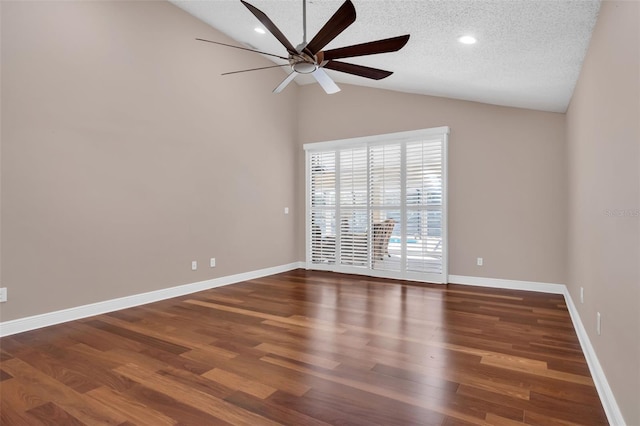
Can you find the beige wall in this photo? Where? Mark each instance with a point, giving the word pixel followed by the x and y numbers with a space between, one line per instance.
pixel 125 155
pixel 604 185
pixel 507 182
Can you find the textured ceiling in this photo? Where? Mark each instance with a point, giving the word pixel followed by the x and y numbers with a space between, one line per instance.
pixel 529 52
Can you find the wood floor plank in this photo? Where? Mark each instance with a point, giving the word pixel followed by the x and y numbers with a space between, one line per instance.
pixel 145 339
pixel 47 388
pixel 496 420
pixel 215 407
pixel 197 382
pixel 273 410
pixel 239 383
pixel 297 355
pixel 183 413
pixel 99 339
pixel 209 355
pixel 132 410
pixel 51 414
pixel 582 394
pixel 177 361
pixel 20 396
pixel 536 419
pixel 180 338
pixel 566 410
pixel 64 373
pixel 308 348
pixel 270 375
pixel 11 415
pixel 545 372
pixel 77 370
pixel 5 376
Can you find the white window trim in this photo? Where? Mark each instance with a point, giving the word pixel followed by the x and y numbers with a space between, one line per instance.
pixel 408 136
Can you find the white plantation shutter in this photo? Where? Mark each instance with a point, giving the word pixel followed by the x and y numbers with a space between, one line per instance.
pixel 377 205
pixel 323 206
pixel 424 188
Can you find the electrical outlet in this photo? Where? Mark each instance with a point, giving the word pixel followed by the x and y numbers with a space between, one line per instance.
pixel 479 262
pixel 286 210
pixel 599 323
pixel 194 265
pixel 212 262
pixel 3 294
pixel 581 294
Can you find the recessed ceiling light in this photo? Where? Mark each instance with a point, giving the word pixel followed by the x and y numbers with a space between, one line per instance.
pixel 259 30
pixel 467 39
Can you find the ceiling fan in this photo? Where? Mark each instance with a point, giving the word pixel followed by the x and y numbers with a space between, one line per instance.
pixel 309 58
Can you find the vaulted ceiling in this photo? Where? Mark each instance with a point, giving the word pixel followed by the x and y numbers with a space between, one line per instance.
pixel 528 52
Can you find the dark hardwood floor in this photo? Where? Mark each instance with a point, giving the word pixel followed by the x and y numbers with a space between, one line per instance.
pixel 308 348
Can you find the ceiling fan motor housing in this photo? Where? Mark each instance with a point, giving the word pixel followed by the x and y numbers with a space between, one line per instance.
pixel 303 63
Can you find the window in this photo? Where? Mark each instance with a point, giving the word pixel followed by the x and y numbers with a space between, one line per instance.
pixel 377 205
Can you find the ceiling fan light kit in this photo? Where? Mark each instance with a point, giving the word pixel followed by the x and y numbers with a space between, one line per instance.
pixel 309 58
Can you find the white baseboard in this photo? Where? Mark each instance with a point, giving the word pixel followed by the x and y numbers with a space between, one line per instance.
pixel 614 415
pixel 20 325
pixel 508 284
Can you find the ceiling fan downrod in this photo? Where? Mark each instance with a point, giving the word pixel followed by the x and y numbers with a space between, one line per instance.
pixel 304 22
pixel 303 62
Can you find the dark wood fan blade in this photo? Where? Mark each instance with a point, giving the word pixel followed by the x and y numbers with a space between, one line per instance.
pixel 243 48
pixel 264 19
pixel 359 70
pixel 340 20
pixel 371 48
pixel 255 69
